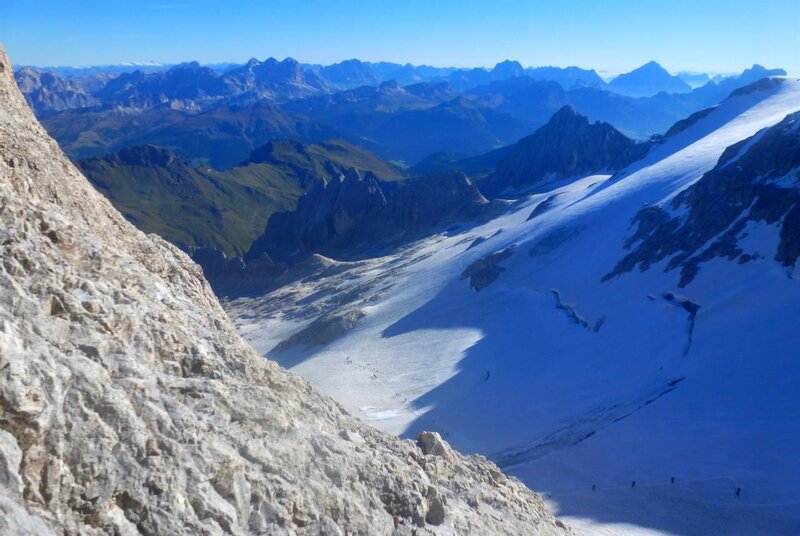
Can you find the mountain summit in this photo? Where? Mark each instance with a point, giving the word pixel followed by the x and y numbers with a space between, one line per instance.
pixel 648 80
pixel 567 146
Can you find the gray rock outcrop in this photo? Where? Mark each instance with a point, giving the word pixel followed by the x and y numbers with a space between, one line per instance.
pixel 569 145
pixel 756 180
pixel 130 405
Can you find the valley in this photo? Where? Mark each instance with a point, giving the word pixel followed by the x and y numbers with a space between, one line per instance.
pixel 589 280
pixel 563 376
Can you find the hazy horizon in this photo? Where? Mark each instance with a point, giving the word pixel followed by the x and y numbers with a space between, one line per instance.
pixel 709 36
pixel 608 75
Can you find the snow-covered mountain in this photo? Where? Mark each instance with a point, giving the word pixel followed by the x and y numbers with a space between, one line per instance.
pixel 587 363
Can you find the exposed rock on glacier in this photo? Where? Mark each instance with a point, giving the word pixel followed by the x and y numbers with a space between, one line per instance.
pixel 129 404
pixel 755 181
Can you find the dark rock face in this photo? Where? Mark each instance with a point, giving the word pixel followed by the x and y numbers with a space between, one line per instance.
pixel 755 180
pixel 216 264
pixel 764 84
pixel 328 212
pixel 231 275
pixel 424 203
pixel 353 212
pixel 485 271
pixel 683 124
pixel 567 146
pixel 543 207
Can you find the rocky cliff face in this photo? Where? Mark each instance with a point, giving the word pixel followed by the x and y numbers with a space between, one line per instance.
pixel 191 206
pixel 352 213
pixel 329 211
pixel 48 92
pixel 187 85
pixel 129 404
pixel 569 145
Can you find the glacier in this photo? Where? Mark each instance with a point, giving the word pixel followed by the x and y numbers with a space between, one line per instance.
pixel 635 406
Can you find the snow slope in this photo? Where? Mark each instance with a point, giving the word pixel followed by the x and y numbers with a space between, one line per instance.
pixel 569 382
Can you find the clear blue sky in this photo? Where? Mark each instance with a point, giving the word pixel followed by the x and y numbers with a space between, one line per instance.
pixel 609 35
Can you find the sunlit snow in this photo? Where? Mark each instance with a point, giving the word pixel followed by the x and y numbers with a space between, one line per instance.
pixel 573 384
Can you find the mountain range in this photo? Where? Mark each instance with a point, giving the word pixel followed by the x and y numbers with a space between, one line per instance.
pixel 221 137
pixel 130 404
pixel 350 200
pixel 619 331
pixel 593 284
pixel 219 117
pixel 197 207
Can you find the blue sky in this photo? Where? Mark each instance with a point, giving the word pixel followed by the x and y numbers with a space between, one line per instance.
pixel 609 35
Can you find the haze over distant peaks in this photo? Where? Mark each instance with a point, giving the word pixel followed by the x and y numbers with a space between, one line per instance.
pixel 648 80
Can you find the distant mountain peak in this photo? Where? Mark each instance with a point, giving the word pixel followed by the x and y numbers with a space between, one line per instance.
pixel 568 145
pixel 758 69
pixel 652 64
pixel 567 111
pixel 507 69
pixel 568 117
pixel 651 68
pixel 186 65
pixel 648 80
pixel 508 63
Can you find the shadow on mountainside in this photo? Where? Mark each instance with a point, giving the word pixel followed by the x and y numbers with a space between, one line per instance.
pixel 531 407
